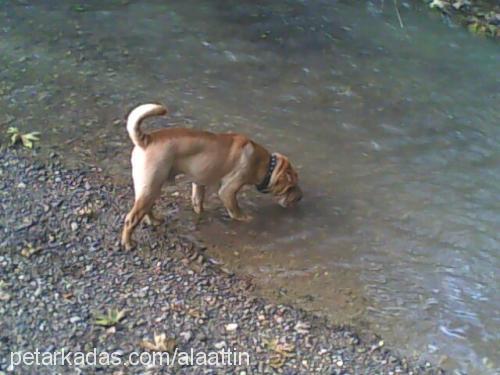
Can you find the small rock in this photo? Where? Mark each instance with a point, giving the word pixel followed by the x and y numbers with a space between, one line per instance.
pixel 302 327
pixel 4 296
pixel 219 345
pixel 75 319
pixel 186 336
pixel 231 327
pixel 74 226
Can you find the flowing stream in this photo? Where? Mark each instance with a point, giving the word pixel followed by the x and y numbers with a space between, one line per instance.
pixel 395 133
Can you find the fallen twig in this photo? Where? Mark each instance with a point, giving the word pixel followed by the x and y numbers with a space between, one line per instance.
pixel 398 14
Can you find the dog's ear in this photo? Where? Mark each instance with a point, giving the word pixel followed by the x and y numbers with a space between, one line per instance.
pixel 286 167
pixel 291 175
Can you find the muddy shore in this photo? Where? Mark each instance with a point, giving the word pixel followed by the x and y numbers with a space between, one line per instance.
pixel 60 266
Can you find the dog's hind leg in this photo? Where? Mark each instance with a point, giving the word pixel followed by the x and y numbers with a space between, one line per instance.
pixel 197 197
pixel 147 187
pixel 141 207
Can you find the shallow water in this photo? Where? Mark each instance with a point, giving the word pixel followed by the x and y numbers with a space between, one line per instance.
pixel 394 132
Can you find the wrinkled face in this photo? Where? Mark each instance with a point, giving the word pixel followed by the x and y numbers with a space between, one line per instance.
pixel 291 198
pixel 284 183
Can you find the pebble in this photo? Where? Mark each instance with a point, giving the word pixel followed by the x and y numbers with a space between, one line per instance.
pixel 219 345
pixel 186 335
pixel 231 327
pixel 4 296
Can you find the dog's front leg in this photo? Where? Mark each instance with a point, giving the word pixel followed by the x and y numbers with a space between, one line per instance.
pixel 197 197
pixel 227 194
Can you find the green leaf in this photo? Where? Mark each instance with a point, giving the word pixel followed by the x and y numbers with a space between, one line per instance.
pixel 12 130
pixel 14 139
pixel 32 136
pixel 27 143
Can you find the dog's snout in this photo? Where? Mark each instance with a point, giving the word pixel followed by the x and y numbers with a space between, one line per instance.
pixel 300 195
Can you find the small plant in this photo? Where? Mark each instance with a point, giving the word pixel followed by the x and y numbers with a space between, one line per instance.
pixel 112 318
pixel 26 139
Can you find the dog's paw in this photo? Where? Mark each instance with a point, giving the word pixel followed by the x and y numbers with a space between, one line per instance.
pixel 198 209
pixel 243 217
pixel 128 246
pixel 152 220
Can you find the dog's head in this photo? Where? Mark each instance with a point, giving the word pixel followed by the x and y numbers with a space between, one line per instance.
pixel 284 182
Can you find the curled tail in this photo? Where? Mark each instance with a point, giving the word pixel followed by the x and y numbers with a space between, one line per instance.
pixel 134 120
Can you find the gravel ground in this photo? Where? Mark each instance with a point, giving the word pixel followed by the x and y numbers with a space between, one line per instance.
pixel 60 266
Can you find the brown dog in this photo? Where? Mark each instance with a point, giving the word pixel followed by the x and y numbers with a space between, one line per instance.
pixel 228 160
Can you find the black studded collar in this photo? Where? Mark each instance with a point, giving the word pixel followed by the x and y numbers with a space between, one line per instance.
pixel 263 187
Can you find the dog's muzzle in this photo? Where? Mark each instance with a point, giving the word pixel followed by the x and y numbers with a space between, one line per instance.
pixel 291 197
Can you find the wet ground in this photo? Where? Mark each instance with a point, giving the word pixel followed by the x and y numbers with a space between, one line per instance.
pixel 394 131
